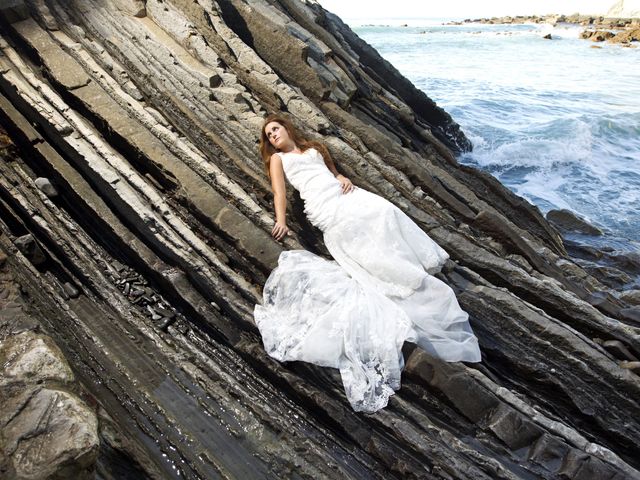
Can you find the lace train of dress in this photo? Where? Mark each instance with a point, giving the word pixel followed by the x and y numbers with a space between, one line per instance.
pixel 356 312
pixel 314 312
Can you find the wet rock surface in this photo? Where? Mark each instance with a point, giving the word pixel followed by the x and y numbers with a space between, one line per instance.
pixel 145 266
pixel 567 221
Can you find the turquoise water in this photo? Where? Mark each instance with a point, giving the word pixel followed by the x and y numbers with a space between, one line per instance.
pixel 556 121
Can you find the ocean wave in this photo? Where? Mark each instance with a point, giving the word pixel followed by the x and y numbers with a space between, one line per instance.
pixel 587 165
pixel 557 122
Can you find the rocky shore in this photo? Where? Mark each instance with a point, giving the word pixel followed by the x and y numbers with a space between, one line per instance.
pixel 555 19
pixel 134 225
pixel 599 29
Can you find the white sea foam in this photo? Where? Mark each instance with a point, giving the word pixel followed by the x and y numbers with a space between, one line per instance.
pixel 556 121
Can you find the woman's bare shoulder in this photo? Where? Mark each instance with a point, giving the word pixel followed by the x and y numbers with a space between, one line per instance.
pixel 275 163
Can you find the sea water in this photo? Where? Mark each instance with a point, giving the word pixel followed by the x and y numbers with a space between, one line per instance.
pixel 556 121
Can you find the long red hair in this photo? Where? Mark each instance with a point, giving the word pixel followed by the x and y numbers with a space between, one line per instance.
pixel 266 149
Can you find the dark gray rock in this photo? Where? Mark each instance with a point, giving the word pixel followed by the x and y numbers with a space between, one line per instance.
pixel 47 188
pixel 628 261
pixel 609 276
pixel 30 249
pixel 48 433
pixel 631 314
pixel 631 296
pixel 567 221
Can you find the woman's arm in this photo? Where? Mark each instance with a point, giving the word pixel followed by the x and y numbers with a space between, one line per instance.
pixel 328 161
pixel 347 186
pixel 276 172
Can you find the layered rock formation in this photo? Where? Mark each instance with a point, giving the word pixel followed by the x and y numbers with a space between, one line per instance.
pixel 130 161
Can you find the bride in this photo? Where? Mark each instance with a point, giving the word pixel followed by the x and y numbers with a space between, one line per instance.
pixel 353 313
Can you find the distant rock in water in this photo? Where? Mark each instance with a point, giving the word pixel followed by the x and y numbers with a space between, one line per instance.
pixel 626 29
pixel 626 36
pixel 567 221
pixel 599 35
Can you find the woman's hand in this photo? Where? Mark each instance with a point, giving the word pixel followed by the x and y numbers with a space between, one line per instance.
pixel 279 231
pixel 345 183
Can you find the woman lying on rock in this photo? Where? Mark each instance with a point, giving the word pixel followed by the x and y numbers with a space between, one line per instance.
pixel 356 312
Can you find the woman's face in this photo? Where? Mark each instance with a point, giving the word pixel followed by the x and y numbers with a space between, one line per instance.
pixel 277 135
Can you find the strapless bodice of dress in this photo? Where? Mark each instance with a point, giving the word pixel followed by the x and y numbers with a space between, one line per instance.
pixel 318 188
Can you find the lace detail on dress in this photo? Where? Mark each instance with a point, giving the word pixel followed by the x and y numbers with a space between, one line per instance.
pixel 313 311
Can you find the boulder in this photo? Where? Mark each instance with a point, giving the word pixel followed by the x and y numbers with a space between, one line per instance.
pixel 626 36
pixel 32 358
pixel 601 36
pixel 30 249
pixel 48 433
pixel 631 296
pixel 47 188
pixel 567 221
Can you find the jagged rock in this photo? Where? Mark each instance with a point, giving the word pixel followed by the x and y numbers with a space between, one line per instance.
pixel 48 433
pixel 567 221
pixel 30 249
pixel 631 296
pixel 600 36
pixel 617 349
pixel 609 276
pixel 32 358
pixel 629 261
pixel 585 252
pixel 626 36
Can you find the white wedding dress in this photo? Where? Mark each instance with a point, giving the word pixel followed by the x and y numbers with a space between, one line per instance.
pixel 356 312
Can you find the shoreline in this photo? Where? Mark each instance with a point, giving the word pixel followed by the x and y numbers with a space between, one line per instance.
pixel 599 28
pixel 554 19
